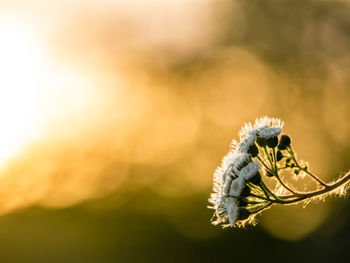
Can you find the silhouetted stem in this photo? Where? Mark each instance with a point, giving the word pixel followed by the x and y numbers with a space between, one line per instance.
pixel 289 149
pixel 267 190
pixel 275 171
pixel 261 208
pixel 303 196
pixel 265 165
pixel 287 187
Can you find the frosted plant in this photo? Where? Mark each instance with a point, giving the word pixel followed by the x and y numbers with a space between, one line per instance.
pixel 240 192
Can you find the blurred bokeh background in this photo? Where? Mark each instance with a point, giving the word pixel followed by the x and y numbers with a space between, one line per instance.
pixel 114 115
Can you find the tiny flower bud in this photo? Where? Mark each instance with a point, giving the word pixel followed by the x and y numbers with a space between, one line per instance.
pixel 255 179
pixel 272 142
pixel 284 142
pixel 261 142
pixel 253 150
pixel 296 171
pixel 243 213
pixel 279 156
pixel 288 160
pixel 245 192
pixel 292 165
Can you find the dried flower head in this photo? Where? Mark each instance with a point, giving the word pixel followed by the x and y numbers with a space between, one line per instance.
pixel 239 189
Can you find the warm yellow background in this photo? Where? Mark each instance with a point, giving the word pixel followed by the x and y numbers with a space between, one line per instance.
pixel 115 114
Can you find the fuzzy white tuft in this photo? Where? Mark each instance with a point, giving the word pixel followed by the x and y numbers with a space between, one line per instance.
pixel 249 171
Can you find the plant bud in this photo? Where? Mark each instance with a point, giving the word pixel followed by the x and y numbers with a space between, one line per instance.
pixel 284 142
pixel 272 142
pixel 261 142
pixel 253 150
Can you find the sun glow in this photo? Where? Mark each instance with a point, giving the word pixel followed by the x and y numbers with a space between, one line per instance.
pixel 33 90
pixel 21 66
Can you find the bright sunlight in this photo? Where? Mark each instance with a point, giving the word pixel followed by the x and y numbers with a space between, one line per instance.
pixel 33 91
pixel 21 66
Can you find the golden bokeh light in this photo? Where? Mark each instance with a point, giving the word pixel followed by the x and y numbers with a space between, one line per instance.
pixel 21 67
pixel 35 93
pixel 102 97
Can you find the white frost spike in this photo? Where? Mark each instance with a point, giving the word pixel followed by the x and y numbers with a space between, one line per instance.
pixel 266 121
pixel 246 130
pixel 228 160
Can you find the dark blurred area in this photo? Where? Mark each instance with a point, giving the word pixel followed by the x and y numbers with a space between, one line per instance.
pixel 137 105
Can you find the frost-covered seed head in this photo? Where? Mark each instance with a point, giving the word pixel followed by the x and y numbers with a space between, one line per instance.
pixel 241 161
pixel 246 143
pixel 237 168
pixel 249 171
pixel 232 210
pixel 237 186
pixel 227 185
pixel 239 193
pixel 268 132
pixel 267 128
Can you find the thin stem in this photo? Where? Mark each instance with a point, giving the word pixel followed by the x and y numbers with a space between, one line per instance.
pixel 260 197
pixel 261 160
pixel 315 177
pixel 268 156
pixel 266 192
pixel 304 196
pixel 262 208
pixel 257 189
pixel 255 202
pixel 289 149
pixel 274 159
pixel 275 171
pixel 250 202
pixel 287 187
pixel 265 188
